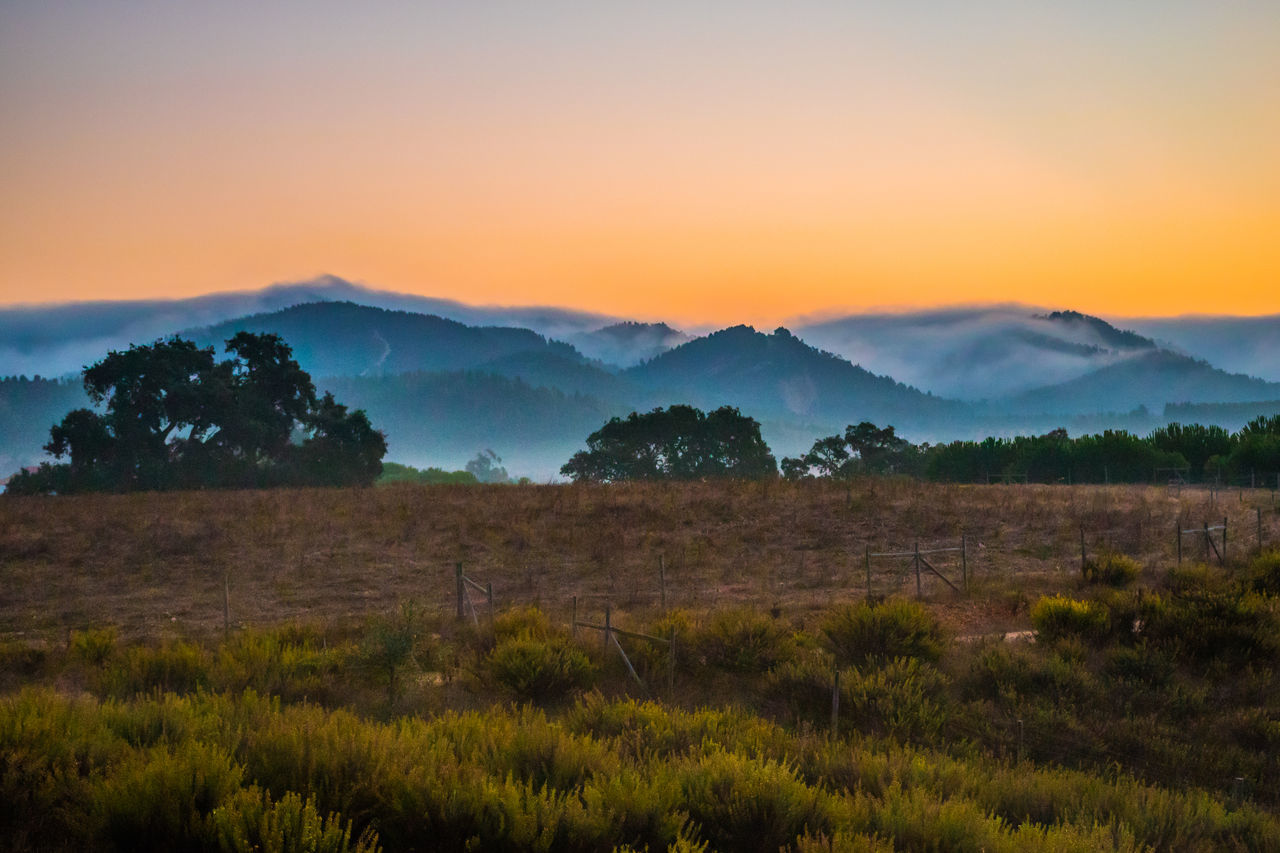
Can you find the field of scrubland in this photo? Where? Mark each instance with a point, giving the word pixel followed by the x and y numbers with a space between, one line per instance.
pixel 158 564
pixel 284 671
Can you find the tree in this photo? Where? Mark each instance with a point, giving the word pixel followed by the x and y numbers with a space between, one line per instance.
pixel 864 448
pixel 173 417
pixel 677 443
pixel 486 467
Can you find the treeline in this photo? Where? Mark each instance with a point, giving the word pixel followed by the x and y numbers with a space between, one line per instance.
pixel 1189 451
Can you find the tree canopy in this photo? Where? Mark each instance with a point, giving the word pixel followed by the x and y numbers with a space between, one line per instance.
pixel 863 449
pixel 174 417
pixel 677 443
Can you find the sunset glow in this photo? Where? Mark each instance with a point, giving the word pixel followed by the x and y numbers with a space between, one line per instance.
pixel 693 162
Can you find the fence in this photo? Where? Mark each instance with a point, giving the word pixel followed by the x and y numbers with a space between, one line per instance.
pixel 610 639
pixel 464 587
pixel 1211 537
pixel 919 560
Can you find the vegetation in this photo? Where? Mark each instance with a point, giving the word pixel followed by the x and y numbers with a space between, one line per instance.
pixel 678 443
pixel 1141 718
pixel 394 472
pixel 174 418
pixel 1190 452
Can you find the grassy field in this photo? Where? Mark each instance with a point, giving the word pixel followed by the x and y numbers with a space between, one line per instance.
pixel 155 565
pixel 347 708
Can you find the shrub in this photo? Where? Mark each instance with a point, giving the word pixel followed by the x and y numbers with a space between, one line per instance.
pixel 249 822
pixel 389 644
pixel 744 640
pixel 92 647
pixel 861 633
pixel 1264 573
pixel 1112 569
pixel 538 668
pixel 528 621
pixel 180 667
pixel 1057 616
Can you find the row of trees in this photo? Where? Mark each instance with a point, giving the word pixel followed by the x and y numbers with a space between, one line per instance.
pixel 173 417
pixel 1193 451
pixel 683 443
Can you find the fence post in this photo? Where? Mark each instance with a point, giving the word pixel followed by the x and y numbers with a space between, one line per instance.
pixel 608 627
pixel 866 556
pixel 488 589
pixel 835 704
pixel 662 581
pixel 1259 509
pixel 919 594
pixel 1084 560
pixel 573 625
pixel 964 562
pixel 1222 558
pixel 461 591
pixel 1208 546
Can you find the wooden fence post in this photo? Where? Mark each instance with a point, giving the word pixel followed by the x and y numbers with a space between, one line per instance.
pixel 1259 509
pixel 964 562
pixel 461 592
pixel 1222 558
pixel 488 590
pixel 835 704
pixel 1084 559
pixel 919 593
pixel 662 581
pixel 608 627
pixel 866 557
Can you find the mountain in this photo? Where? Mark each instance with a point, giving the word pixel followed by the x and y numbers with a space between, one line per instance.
pixel 1151 379
pixel 976 353
pixel 1238 344
pixel 627 344
pixel 57 340
pixel 779 376
pixel 345 339
pixel 445 419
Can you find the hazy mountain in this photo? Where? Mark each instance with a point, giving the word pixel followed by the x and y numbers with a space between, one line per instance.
pixel 345 339
pixel 28 408
pixel 977 353
pixel 1238 344
pixel 1151 379
pixel 445 419
pixel 570 375
pixel 627 344
pixel 54 340
pixel 779 376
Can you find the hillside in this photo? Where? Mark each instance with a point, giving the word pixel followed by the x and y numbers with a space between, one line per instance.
pixel 628 344
pixel 780 376
pixel 345 339
pixel 1150 379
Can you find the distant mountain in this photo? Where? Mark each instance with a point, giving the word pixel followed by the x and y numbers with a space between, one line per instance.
pixel 570 375
pixel 976 353
pixel 780 376
pixel 345 339
pixel 1238 344
pixel 445 419
pixel 627 344
pixel 1109 335
pixel 1152 379
pixel 56 340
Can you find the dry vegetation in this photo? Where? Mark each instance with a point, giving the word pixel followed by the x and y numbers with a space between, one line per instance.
pixel 153 565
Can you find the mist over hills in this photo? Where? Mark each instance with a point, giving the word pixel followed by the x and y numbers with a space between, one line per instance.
pixel 531 383
pixel 1239 344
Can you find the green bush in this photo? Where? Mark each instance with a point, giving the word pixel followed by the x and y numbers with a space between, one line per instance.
pixel 1264 573
pixel 92 647
pixel 527 621
pixel 743 640
pixel 1112 569
pixel 249 822
pixel 538 668
pixel 1057 617
pixel 179 667
pixel 864 633
pixel 389 646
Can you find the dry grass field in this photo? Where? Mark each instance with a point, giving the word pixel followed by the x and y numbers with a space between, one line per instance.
pixel 154 565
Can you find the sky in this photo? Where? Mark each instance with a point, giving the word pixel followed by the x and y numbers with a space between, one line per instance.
pixel 702 162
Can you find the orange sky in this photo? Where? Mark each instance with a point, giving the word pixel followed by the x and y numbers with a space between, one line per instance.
pixel 692 162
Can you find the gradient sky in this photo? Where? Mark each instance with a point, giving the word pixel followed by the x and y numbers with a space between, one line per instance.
pixel 692 161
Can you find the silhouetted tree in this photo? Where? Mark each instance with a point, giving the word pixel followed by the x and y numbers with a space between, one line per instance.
pixel 173 417
pixel 679 443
